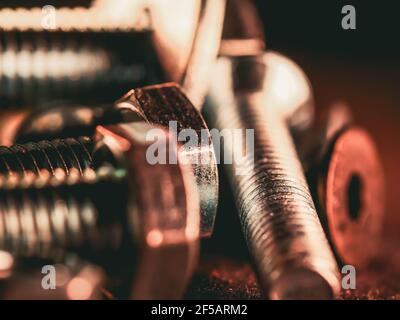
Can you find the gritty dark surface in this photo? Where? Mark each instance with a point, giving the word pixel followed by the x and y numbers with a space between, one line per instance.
pixel 227 278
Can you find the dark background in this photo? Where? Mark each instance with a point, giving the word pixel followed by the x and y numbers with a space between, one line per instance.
pixel 315 26
pixel 360 67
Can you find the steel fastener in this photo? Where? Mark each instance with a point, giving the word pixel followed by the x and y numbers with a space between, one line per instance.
pixel 158 105
pixel 145 55
pixel 36 67
pixel 268 93
pixel 114 221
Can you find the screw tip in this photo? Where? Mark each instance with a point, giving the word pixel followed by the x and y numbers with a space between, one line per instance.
pixel 302 284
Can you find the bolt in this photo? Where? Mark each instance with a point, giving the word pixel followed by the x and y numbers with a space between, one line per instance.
pixel 347 182
pixel 113 220
pixel 101 15
pixel 36 67
pixel 45 159
pixel 133 52
pixel 269 93
pixel 157 105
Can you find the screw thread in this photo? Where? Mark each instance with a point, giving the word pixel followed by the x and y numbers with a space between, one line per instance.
pixel 49 222
pixel 131 15
pixel 45 159
pixel 37 64
pixel 36 67
pixel 276 210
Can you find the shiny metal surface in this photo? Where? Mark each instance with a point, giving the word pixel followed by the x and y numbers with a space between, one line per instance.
pixel 161 41
pixel 36 67
pixel 161 104
pixel 101 15
pixel 269 93
pixel 204 52
pixel 124 230
pixel 158 105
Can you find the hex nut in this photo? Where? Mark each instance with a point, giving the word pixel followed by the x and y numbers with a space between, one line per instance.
pixel 157 104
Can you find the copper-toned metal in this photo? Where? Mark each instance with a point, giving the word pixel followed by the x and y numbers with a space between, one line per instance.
pixel 313 143
pixel 243 30
pixel 36 67
pixel 161 104
pixel 204 52
pixel 269 93
pixel 174 23
pixel 163 40
pixel 102 15
pixel 346 180
pixel 114 221
pixel 6 264
pixel 158 105
pixel 351 195
pixel 168 227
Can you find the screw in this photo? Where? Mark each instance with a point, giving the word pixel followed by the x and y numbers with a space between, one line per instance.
pixel 46 159
pixel 135 52
pixel 268 93
pixel 346 179
pixel 113 221
pixel 36 67
pixel 158 105
pixel 102 15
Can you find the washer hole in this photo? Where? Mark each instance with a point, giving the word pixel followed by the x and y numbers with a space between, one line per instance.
pixel 354 192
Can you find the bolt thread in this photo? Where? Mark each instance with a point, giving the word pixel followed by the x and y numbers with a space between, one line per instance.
pixel 36 67
pixel 39 65
pixel 58 158
pixel 49 222
pixel 276 210
pixel 49 203
pixel 35 225
pixel 100 16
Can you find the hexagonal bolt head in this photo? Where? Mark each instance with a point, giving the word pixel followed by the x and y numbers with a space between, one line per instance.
pixel 115 221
